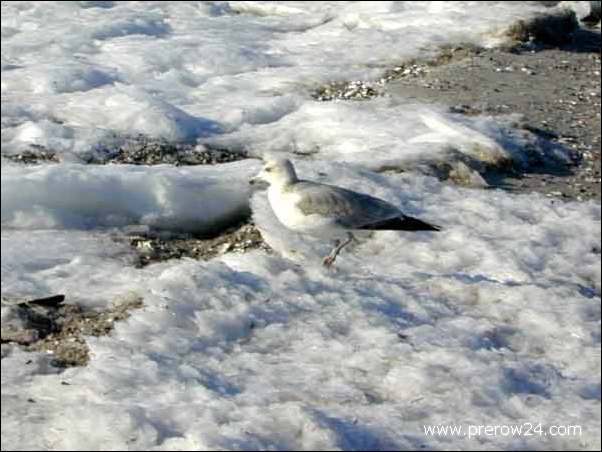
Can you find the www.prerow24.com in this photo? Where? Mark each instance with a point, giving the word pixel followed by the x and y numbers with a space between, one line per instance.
pixel 525 429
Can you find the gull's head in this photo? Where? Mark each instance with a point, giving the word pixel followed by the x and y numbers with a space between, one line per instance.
pixel 277 171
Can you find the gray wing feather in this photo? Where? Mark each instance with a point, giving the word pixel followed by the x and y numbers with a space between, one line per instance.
pixel 347 208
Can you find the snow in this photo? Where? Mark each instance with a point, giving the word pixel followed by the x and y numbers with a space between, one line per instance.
pixel 41 262
pixel 255 351
pixel 73 196
pixel 495 320
pixel 185 70
pixel 399 135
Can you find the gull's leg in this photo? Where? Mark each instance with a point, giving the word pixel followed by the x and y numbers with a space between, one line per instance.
pixel 329 260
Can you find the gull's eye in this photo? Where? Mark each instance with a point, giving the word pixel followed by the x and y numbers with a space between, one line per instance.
pixel 268 169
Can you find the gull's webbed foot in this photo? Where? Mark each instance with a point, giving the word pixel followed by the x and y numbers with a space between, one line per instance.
pixel 331 258
pixel 329 261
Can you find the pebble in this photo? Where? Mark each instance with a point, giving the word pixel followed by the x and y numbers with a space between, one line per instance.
pixel 355 90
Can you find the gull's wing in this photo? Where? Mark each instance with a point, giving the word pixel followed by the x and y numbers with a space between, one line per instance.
pixel 346 208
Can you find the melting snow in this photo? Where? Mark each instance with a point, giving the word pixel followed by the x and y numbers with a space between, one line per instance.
pixel 495 320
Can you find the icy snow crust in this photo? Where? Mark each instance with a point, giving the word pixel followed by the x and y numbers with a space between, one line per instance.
pixel 495 320
pixel 74 74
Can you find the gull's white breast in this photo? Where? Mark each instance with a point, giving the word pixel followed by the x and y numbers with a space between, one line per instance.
pixel 285 206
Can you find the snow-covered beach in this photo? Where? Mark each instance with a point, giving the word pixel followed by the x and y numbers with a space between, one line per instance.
pixel 493 321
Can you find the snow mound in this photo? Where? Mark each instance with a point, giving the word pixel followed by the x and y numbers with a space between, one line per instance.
pixel 379 135
pixel 199 199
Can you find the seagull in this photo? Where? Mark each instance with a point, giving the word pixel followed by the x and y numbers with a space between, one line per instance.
pixel 327 210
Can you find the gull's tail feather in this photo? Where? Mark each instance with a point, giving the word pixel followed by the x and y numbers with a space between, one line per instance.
pixel 403 223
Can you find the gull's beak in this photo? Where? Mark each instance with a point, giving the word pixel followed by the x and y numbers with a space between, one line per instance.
pixel 258 182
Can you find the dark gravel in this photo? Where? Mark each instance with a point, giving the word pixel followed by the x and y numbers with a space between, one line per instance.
pixel 144 151
pixel 556 89
pixel 152 247
pixel 137 151
pixel 33 156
